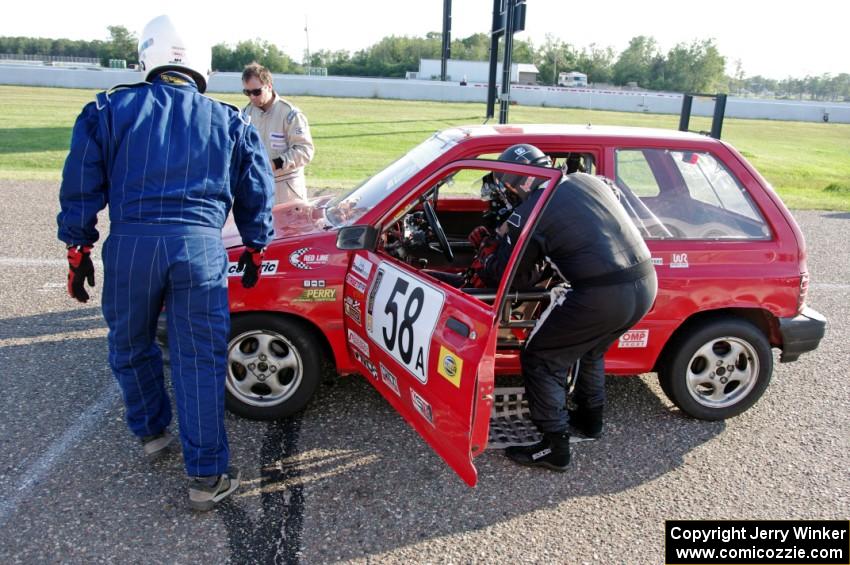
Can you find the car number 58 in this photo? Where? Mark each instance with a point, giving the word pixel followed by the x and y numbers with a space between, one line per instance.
pixel 404 313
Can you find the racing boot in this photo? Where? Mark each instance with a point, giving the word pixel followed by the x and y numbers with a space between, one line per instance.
pixel 587 421
pixel 206 492
pixel 157 444
pixel 552 452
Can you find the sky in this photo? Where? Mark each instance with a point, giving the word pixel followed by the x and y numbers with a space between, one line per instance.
pixel 772 38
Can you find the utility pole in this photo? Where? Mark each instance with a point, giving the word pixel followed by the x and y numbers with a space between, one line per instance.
pixel 446 52
pixel 307 34
pixel 508 18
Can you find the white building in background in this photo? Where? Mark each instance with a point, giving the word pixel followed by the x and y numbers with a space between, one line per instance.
pixel 574 78
pixel 474 71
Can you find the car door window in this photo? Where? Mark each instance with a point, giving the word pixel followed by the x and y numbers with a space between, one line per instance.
pixel 691 193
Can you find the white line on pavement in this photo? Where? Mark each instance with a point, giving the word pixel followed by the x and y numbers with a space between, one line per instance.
pixel 36 472
pixel 24 262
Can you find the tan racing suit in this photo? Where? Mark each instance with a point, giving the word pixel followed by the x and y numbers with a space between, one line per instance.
pixel 286 135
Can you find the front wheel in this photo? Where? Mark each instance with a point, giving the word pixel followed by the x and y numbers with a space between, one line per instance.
pixel 717 370
pixel 273 366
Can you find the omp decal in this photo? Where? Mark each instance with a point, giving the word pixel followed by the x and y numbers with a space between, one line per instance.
pixel 450 366
pixel 389 379
pixel 366 363
pixel 404 312
pixel 633 338
pixel 679 261
pixel 657 261
pixel 362 266
pixel 515 220
pixel 267 268
pixel 422 407
pixel 306 259
pixel 352 310
pixel 314 283
pixel 358 342
pixel 317 295
pixel 356 283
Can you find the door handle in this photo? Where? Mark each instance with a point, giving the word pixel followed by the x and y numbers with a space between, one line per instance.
pixel 457 327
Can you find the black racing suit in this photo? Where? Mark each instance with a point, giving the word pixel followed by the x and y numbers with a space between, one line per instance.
pixel 588 239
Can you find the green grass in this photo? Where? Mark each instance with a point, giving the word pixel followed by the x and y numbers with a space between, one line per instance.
pixel 807 163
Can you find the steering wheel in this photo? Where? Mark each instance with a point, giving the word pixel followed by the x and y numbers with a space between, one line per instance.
pixel 434 224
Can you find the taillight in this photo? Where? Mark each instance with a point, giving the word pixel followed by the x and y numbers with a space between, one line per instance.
pixel 804 290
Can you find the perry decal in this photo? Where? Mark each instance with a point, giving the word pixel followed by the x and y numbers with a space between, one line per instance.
pixel 633 338
pixel 317 295
pixel 267 268
pixel 362 266
pixel 422 407
pixel 305 258
pixel 450 366
pixel 352 310
pixel 356 283
pixel 389 379
pixel 358 342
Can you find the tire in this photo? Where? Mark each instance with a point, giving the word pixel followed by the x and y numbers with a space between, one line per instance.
pixel 274 366
pixel 718 369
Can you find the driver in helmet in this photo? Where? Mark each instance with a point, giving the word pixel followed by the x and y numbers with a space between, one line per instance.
pixel 586 236
pixel 171 163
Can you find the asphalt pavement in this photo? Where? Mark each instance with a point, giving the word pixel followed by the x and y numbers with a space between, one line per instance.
pixel 348 481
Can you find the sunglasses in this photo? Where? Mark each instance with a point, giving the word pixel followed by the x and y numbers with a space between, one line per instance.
pixel 252 92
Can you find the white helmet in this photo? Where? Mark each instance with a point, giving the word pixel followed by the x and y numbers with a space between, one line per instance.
pixel 162 47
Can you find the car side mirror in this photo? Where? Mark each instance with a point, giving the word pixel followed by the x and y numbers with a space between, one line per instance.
pixel 357 237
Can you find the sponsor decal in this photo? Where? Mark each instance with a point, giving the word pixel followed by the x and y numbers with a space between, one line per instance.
pixel 314 283
pixel 515 220
pixel 267 268
pixel 278 145
pixel 356 283
pixel 450 366
pixel 422 407
pixel 305 258
pixel 376 284
pixel 366 363
pixel 389 379
pixel 276 135
pixel 358 342
pixel 317 295
pixel 368 323
pixel 362 266
pixel 657 261
pixel 633 338
pixel 352 310
pixel 679 261
pixel 542 453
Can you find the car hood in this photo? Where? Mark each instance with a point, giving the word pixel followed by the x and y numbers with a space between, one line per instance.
pixel 293 219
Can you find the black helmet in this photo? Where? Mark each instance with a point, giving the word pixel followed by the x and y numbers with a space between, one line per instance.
pixel 524 154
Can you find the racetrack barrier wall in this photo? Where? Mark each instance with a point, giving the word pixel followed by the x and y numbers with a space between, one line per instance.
pixel 400 89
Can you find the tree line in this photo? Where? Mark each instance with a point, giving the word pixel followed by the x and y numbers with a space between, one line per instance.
pixel 697 66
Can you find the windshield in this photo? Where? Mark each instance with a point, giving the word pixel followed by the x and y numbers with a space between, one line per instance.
pixel 347 209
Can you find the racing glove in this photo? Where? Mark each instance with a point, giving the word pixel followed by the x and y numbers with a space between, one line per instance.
pixel 80 269
pixel 477 236
pixel 250 263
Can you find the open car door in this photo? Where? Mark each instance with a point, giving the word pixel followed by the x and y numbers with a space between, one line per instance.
pixel 428 347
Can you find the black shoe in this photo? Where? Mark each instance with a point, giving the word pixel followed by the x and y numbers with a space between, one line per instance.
pixel 155 445
pixel 205 492
pixel 587 421
pixel 553 452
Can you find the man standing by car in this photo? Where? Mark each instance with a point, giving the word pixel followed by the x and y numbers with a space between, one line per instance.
pixel 284 131
pixel 170 163
pixel 588 239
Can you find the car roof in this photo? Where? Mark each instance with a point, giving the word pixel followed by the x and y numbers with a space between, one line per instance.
pixel 574 130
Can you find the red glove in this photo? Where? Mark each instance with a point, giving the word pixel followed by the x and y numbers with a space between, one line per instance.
pixel 251 261
pixel 476 269
pixel 80 270
pixel 478 235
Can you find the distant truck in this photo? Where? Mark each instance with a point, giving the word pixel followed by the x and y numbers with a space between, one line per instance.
pixel 572 79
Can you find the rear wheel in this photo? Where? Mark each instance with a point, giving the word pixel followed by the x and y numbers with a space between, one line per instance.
pixel 273 366
pixel 717 370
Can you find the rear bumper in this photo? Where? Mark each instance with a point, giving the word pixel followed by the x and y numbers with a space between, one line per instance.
pixel 801 333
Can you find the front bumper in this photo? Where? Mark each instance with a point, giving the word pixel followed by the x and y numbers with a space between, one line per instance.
pixel 801 333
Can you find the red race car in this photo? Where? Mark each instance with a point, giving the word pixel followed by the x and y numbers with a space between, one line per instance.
pixel 376 281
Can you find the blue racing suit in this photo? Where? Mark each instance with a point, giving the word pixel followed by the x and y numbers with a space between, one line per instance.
pixel 170 163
